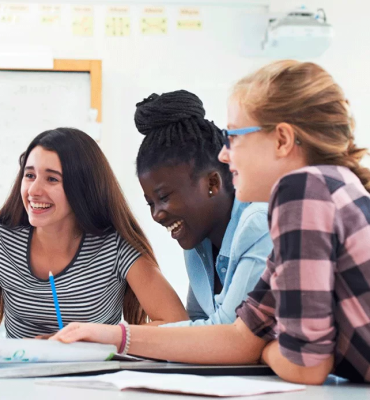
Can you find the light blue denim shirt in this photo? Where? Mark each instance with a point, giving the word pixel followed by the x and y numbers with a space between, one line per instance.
pixel 240 263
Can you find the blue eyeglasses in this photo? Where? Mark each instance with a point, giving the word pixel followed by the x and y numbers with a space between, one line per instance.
pixel 242 131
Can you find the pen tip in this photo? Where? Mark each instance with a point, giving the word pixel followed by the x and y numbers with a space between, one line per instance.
pixel 50 273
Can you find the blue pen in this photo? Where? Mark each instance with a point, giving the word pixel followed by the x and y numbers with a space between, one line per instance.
pixel 55 297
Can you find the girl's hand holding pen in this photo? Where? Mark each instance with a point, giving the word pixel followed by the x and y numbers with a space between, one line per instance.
pixel 89 332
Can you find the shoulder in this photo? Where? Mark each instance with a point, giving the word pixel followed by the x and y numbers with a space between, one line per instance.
pixel 252 212
pixel 251 228
pixel 254 215
pixel 108 243
pixel 18 233
pixel 312 182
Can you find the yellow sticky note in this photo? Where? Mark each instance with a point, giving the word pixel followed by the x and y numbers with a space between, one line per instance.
pixel 50 19
pixel 50 14
pixel 153 25
pixel 117 26
pixel 13 13
pixel 83 25
pixel 190 25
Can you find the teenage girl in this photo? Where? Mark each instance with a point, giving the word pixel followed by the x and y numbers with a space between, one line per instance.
pixel 190 193
pixel 67 215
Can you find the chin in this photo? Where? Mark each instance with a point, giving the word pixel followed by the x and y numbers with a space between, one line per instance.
pixel 186 244
pixel 242 195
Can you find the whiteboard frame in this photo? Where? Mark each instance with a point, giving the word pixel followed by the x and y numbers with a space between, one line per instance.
pixel 93 67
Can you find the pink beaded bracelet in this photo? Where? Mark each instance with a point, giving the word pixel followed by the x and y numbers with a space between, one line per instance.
pixel 123 349
pixel 123 342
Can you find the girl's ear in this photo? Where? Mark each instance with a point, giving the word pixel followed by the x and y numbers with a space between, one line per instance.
pixel 285 139
pixel 214 183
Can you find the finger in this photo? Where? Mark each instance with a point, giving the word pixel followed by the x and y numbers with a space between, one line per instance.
pixel 70 327
pixel 74 335
pixel 43 337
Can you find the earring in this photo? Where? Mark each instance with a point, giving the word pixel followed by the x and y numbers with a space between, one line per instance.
pixel 210 193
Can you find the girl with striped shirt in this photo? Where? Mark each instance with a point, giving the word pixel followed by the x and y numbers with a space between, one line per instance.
pixel 66 214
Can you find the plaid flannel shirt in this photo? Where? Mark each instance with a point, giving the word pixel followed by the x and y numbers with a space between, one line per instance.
pixel 314 295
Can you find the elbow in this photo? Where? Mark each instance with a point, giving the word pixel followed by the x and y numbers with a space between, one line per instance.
pixel 310 378
pixel 312 375
pixel 179 316
pixel 175 317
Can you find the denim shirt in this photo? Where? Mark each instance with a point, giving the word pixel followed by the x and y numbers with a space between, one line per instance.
pixel 240 263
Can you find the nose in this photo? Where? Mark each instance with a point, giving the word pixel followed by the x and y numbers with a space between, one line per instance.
pixel 158 214
pixel 223 156
pixel 35 189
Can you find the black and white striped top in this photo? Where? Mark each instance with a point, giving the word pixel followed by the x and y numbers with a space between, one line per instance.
pixel 89 289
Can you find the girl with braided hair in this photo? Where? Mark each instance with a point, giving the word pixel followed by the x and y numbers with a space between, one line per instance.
pixel 309 314
pixel 190 193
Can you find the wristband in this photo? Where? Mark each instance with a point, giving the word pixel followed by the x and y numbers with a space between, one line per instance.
pixel 126 335
pixel 123 341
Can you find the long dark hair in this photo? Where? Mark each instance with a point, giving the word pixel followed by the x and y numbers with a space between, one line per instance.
pixel 93 194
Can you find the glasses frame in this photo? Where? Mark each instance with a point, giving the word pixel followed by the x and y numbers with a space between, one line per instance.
pixel 226 133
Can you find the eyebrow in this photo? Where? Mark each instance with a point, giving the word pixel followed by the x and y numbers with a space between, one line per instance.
pixel 160 187
pixel 53 171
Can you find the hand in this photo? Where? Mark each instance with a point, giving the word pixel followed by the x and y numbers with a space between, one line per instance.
pixel 88 332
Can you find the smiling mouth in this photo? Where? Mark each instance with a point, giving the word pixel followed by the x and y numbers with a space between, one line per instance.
pixel 175 227
pixel 40 206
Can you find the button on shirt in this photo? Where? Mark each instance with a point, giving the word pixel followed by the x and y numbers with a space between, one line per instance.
pixel 240 263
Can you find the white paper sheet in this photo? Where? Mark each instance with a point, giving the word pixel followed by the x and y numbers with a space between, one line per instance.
pixel 30 350
pixel 222 386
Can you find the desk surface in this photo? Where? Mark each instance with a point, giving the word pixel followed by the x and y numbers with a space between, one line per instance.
pixel 20 389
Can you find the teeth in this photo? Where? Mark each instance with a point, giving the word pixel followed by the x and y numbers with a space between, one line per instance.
pixel 173 226
pixel 40 205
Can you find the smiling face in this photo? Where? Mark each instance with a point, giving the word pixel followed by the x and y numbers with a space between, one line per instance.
pixel 251 158
pixel 179 203
pixel 42 190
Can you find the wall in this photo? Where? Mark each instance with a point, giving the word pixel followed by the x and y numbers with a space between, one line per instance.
pixel 205 62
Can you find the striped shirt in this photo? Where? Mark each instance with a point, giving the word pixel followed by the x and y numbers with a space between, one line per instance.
pixel 315 292
pixel 89 289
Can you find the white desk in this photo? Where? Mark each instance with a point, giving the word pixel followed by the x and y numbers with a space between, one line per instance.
pixel 21 389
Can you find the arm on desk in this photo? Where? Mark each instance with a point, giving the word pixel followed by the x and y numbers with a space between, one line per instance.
pixel 218 344
pixel 294 373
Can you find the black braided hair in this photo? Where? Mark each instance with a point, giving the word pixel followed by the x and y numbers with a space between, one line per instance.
pixel 176 132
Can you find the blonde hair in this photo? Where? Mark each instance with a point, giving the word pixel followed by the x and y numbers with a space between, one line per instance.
pixel 305 96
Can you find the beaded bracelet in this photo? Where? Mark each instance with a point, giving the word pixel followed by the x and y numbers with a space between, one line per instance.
pixel 126 335
pixel 123 341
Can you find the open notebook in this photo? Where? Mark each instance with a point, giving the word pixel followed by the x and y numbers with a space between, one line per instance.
pixel 222 386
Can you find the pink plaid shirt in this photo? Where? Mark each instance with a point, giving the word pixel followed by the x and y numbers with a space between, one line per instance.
pixel 314 294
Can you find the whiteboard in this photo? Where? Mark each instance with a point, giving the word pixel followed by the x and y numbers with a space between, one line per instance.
pixel 32 102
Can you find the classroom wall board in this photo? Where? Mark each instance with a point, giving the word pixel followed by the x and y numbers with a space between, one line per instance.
pixel 34 101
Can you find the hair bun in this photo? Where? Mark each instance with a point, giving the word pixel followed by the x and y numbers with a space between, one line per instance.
pixel 156 112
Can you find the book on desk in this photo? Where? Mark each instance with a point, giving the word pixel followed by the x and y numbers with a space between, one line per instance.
pixel 21 358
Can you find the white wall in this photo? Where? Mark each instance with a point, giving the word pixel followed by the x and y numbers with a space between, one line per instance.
pixel 205 62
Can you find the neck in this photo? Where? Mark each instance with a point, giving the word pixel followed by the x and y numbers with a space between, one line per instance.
pixel 222 218
pixel 59 239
